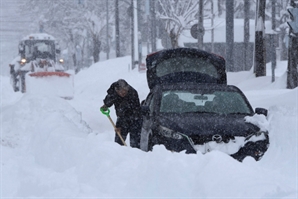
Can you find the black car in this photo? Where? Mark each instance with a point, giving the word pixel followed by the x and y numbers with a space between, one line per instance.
pixel 202 117
pixel 191 108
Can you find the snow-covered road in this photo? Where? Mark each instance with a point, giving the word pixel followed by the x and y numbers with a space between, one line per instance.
pixel 55 148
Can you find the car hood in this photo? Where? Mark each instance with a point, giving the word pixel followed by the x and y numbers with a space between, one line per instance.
pixel 208 124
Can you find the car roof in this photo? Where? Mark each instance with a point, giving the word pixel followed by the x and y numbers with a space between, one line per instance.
pixel 196 86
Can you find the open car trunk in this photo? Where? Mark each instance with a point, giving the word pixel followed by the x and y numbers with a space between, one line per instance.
pixel 185 65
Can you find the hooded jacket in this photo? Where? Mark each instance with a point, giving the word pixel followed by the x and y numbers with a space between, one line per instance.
pixel 127 108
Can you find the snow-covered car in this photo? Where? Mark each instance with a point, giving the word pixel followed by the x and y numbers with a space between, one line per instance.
pixel 201 118
pixel 191 108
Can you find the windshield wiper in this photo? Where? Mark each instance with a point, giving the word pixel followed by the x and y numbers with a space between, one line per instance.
pixel 238 113
pixel 201 112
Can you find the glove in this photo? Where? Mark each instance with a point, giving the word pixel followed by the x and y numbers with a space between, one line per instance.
pixel 104 108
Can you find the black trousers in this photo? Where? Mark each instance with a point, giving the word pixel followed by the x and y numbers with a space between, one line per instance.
pixel 133 127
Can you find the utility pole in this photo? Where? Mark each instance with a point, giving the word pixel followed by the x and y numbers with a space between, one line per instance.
pixel 212 25
pixel 107 18
pixel 292 73
pixel 230 35
pixel 200 25
pixel 260 50
pixel 153 25
pixel 273 41
pixel 136 33
pixel 246 34
pixel 139 32
pixel 132 33
pixel 147 11
pixel 41 27
pixel 117 37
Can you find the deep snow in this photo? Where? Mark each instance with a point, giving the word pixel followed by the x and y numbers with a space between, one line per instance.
pixel 56 148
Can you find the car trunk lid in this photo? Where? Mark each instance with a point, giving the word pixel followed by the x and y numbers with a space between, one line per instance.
pixel 185 65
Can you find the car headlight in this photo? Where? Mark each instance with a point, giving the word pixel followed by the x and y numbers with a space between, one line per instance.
pixel 61 61
pixel 259 135
pixel 23 61
pixel 169 133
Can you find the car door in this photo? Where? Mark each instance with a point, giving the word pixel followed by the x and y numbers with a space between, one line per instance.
pixel 149 107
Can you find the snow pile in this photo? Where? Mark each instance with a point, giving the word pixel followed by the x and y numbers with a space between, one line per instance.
pixel 49 151
pixel 40 36
pixel 35 115
pixel 258 120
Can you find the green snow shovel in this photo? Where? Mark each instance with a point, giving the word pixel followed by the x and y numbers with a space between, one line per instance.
pixel 107 113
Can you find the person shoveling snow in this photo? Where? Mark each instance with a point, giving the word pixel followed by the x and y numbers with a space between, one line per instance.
pixel 128 110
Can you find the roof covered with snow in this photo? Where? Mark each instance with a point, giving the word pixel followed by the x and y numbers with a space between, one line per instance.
pixel 43 36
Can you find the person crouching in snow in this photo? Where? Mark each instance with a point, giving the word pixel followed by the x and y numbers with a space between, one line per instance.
pixel 128 110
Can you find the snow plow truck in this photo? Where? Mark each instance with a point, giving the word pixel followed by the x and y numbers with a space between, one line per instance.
pixel 39 67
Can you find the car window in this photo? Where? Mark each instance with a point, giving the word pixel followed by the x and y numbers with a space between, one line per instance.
pixel 229 102
pixel 42 47
pixel 219 102
pixel 149 102
pixel 151 105
pixel 28 51
pixel 36 47
pixel 186 64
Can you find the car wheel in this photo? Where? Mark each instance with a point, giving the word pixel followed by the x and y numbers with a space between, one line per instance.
pixel 14 82
pixel 22 83
pixel 150 142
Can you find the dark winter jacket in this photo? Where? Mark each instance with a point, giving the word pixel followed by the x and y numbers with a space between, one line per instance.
pixel 127 108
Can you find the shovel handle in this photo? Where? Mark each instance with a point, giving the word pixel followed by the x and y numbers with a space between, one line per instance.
pixel 118 133
pixel 107 113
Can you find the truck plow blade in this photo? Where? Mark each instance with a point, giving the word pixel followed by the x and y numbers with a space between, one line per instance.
pixel 50 83
pixel 47 74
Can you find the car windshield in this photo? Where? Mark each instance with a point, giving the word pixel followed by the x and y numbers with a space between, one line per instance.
pixel 217 102
pixel 186 64
pixel 39 49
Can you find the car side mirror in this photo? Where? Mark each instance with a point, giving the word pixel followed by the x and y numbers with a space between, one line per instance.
pixel 145 110
pixel 21 48
pixel 261 111
pixel 142 102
